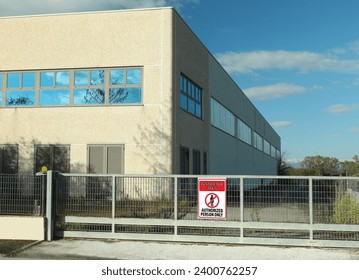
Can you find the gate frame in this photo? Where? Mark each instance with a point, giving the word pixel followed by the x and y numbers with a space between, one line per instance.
pixel 175 223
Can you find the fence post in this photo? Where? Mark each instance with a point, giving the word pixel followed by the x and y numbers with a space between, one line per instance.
pixel 175 203
pixel 113 195
pixel 311 218
pixel 241 207
pixel 49 206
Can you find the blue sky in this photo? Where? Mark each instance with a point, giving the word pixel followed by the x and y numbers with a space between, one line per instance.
pixel 298 61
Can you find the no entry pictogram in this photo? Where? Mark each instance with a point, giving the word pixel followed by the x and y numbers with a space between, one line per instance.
pixel 212 198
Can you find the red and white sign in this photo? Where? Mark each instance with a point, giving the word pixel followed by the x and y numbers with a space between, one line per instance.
pixel 212 202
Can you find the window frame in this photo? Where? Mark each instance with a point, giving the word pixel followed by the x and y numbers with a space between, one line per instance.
pixel 3 147
pixel 66 92
pixel 192 92
pixel 105 162
pixel 52 148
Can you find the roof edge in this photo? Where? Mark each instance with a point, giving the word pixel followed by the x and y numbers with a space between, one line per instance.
pixel 85 13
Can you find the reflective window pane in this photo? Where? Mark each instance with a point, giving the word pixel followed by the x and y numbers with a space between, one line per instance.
pixel 54 97
pixel 125 96
pixel 184 101
pixel 13 80
pixel 47 79
pixel 117 77
pixel 134 76
pixel 63 79
pixel 81 78
pixel 198 95
pixel 20 98
pixel 191 106
pixel 97 77
pixel 28 80
pixel 0 80
pixel 198 110
pixel 0 98
pixel 89 96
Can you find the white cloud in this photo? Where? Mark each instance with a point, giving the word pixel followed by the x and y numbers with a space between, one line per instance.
pixel 294 161
pixel 27 7
pixel 281 123
pixel 354 129
pixel 354 46
pixel 274 91
pixel 247 62
pixel 342 108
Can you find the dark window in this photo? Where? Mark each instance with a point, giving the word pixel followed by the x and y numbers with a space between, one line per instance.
pixel 9 156
pixel 205 170
pixel 54 157
pixel 184 160
pixel 196 162
pixel 191 97
pixel 106 159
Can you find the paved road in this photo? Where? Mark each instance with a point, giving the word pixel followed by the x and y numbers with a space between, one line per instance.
pixel 138 250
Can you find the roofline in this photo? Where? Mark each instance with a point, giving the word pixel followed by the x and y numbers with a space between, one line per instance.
pixel 86 13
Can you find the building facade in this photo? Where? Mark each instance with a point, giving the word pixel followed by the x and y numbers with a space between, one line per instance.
pixel 132 91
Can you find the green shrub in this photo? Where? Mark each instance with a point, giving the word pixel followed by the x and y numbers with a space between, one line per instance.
pixel 346 210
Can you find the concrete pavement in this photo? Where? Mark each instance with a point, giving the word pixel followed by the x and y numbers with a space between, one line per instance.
pixel 90 249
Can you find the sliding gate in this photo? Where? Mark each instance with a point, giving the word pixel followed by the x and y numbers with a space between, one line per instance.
pixel 304 211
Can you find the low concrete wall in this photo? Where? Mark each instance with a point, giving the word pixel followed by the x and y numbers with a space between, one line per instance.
pixel 22 228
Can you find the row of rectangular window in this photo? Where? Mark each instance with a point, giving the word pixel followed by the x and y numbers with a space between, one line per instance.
pixel 54 157
pixel 190 96
pixel 224 119
pixel 17 80
pixel 196 161
pixel 102 158
pixel 90 87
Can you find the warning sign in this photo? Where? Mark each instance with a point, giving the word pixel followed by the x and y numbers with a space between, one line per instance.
pixel 212 198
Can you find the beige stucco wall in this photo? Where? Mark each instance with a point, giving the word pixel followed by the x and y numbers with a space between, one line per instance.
pixel 22 228
pixel 109 39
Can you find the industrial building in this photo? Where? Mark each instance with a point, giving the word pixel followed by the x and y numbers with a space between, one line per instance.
pixel 123 92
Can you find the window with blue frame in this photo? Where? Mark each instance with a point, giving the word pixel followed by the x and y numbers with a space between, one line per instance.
pixel 190 96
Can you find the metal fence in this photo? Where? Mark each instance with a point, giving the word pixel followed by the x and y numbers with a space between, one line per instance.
pixel 314 211
pixel 22 195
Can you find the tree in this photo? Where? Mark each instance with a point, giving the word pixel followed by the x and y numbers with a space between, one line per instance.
pixel 283 167
pixel 351 168
pixel 320 166
pixel 22 100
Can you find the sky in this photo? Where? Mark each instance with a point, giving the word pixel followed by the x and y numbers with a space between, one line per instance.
pixel 297 61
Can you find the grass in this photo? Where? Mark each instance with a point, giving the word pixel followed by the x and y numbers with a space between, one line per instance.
pixel 346 210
